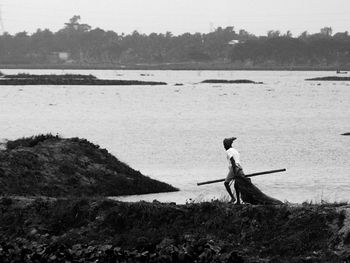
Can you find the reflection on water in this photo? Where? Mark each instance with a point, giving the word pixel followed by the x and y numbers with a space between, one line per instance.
pixel 174 133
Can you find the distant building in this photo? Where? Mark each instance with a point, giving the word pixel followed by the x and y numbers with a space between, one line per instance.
pixel 59 57
pixel 235 41
pixel 63 56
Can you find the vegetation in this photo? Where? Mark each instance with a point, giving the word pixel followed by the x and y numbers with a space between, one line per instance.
pixel 47 165
pixel 29 141
pixel 98 229
pixel 318 50
pixel 80 45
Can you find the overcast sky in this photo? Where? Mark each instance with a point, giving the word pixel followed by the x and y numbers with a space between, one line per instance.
pixel 178 16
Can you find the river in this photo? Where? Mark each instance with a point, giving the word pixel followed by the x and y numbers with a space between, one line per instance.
pixel 174 133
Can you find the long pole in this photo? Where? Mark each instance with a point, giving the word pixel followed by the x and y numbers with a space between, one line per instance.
pixel 247 175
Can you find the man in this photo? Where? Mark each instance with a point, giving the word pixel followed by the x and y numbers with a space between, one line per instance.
pixel 235 168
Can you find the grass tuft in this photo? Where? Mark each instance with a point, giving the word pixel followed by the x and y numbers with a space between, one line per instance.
pixel 30 141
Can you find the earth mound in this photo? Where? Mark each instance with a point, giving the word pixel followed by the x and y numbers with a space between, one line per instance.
pixel 236 81
pixel 331 78
pixel 47 165
pixel 67 79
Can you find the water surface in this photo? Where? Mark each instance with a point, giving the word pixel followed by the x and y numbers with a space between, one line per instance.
pixel 174 133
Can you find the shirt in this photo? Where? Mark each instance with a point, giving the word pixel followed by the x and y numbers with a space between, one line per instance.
pixel 232 153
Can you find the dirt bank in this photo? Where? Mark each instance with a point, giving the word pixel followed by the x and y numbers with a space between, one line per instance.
pixel 48 165
pixel 235 81
pixel 68 79
pixel 331 78
pixel 54 230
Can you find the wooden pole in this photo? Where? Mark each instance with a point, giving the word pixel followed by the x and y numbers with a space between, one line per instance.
pixel 247 175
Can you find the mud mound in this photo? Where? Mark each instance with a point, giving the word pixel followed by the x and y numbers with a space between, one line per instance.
pixel 236 81
pixel 52 166
pixel 68 79
pixel 330 78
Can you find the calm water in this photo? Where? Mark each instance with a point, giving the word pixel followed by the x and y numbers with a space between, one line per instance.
pixel 174 133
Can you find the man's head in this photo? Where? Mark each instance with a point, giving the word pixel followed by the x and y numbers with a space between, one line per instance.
pixel 228 142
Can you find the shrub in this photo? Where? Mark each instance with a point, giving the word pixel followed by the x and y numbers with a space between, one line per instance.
pixel 29 141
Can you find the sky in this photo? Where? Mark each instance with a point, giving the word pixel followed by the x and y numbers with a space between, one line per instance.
pixel 178 16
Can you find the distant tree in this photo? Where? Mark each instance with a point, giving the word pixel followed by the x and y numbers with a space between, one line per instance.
pixel 341 35
pixel 304 36
pixel 216 44
pixel 74 25
pixel 244 35
pixel 273 33
pixel 87 45
pixel 326 31
pixel 288 34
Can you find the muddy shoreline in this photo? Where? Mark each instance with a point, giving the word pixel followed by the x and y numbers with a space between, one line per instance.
pixel 330 78
pixel 69 79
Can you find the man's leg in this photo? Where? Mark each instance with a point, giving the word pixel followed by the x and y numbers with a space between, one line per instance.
pixel 239 173
pixel 237 193
pixel 228 179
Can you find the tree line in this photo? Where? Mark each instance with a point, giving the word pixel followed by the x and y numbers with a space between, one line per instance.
pixel 322 49
pixel 79 43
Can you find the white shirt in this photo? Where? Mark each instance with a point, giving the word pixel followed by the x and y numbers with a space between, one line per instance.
pixel 232 153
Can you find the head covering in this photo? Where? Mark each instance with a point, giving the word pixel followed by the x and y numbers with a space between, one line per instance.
pixel 228 142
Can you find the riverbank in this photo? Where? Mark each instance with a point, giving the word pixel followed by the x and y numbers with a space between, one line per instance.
pixel 52 230
pixel 68 79
pixel 173 66
pixel 330 78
